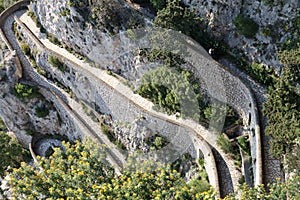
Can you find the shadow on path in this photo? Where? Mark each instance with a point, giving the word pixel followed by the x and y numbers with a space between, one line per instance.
pixel 226 186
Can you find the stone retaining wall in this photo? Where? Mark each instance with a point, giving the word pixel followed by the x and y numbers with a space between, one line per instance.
pixel 229 88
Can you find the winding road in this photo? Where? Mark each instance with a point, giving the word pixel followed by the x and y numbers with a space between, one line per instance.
pixel 85 124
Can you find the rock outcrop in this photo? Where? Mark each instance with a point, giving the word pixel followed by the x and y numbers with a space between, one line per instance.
pixel 275 25
pixel 82 32
pixel 20 117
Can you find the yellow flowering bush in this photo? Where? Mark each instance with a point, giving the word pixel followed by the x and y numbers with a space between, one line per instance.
pixel 80 171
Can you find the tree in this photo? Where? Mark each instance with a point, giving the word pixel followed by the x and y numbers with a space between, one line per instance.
pixel 108 15
pixel 26 49
pixel 158 4
pixel 178 17
pixel 12 153
pixel 80 171
pixel 291 57
pixel 56 62
pixel 283 112
pixel 171 91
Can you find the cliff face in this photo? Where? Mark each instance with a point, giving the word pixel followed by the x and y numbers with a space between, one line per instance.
pixel 276 25
pixel 82 25
pixel 21 117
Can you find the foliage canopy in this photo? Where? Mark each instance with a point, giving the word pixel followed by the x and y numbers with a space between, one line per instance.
pixel 80 171
pixel 283 112
pixel 12 153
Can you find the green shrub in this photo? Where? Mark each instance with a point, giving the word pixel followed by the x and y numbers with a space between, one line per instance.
pixel 65 12
pixel 42 111
pixel 12 153
pixel 26 49
pixel 217 112
pixel 177 16
pixel 199 185
pixel 107 130
pixel 157 142
pixel 266 32
pixel 25 91
pixel 245 145
pixel 49 152
pixel 159 4
pixel 260 73
pixel 55 62
pixel 53 39
pixel 71 4
pixel 246 26
pixel 225 144
pixel 2 125
pixel 290 58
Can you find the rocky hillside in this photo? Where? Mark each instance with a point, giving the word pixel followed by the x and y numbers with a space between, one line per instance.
pixel 81 25
pixel 255 29
pixel 23 109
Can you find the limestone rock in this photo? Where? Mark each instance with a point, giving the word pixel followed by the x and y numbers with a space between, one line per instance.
pixel 219 16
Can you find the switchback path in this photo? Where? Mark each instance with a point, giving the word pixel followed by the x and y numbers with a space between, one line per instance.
pixel 64 101
pixel 118 87
pixel 61 99
pixel 124 91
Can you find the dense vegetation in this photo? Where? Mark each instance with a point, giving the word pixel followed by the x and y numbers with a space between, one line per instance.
pixel 283 112
pixel 171 92
pixel 172 89
pixel 56 62
pixel 178 17
pixel 12 153
pixel 81 172
pixel 246 26
pixel 291 58
pixel 105 15
pixel 275 191
pixel 42 111
pixel 175 90
pixel 283 106
pixel 157 4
